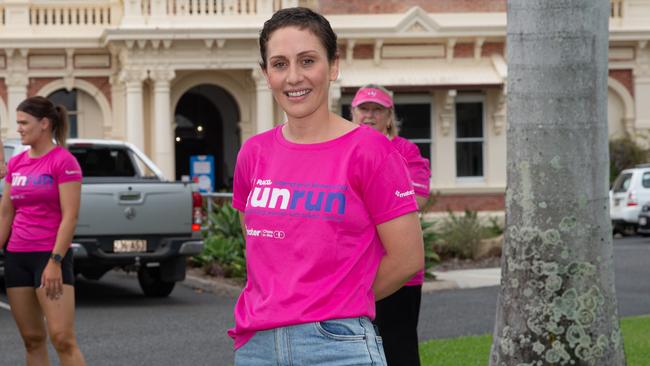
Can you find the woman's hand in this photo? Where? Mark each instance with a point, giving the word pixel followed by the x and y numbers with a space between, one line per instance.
pixel 3 169
pixel 52 280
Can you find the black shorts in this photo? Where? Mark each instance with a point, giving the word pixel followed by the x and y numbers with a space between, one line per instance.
pixel 397 320
pixel 24 269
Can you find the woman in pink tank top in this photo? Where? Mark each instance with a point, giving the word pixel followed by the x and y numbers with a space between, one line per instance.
pixel 38 214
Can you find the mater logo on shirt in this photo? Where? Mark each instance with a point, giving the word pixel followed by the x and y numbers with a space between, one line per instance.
pixel 273 234
pixel 404 194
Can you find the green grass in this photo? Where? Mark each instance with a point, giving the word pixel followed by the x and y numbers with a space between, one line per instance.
pixel 465 351
pixel 636 335
pixel 475 350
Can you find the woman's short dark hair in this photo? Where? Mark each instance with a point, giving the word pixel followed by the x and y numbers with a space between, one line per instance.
pixel 40 108
pixel 301 18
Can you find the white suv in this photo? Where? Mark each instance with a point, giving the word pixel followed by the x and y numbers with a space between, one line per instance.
pixel 630 191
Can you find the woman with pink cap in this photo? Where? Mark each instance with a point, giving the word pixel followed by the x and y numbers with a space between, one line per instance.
pixel 397 314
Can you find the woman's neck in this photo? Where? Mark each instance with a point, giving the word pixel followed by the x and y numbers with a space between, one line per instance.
pixel 314 130
pixel 41 148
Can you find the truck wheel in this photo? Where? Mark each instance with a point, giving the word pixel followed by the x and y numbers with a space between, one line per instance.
pixel 152 285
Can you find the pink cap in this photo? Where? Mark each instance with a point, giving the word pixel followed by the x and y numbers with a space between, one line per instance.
pixel 372 95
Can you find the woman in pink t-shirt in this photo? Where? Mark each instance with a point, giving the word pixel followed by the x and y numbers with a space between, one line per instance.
pixel 397 314
pixel 38 214
pixel 328 212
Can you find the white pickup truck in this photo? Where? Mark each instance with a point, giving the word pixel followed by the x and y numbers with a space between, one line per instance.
pixel 130 216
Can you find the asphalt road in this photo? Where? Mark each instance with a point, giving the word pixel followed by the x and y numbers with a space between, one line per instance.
pixel 117 325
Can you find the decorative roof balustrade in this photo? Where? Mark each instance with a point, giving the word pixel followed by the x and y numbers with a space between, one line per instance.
pixel 39 15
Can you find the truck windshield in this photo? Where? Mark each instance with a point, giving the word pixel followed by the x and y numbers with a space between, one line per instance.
pixel 9 152
pixel 145 171
pixel 104 161
pixel 622 183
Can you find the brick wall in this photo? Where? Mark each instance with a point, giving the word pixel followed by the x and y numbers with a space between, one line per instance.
pixel 490 48
pixel 364 51
pixel 624 77
pixel 102 83
pixel 474 202
pixel 36 84
pixel 400 6
pixel 463 50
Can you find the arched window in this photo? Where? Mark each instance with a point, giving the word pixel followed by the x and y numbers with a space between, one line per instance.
pixel 69 100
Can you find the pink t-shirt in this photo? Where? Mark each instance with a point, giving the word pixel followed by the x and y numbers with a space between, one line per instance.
pixel 420 173
pixel 35 196
pixel 417 165
pixel 312 247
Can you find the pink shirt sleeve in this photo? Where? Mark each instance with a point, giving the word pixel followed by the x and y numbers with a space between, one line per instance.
pixel 418 168
pixel 389 193
pixel 241 180
pixel 67 169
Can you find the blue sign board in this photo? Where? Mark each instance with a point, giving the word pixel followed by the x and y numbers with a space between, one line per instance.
pixel 202 172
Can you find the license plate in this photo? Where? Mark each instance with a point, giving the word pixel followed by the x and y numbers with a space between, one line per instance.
pixel 643 221
pixel 129 246
pixel 617 201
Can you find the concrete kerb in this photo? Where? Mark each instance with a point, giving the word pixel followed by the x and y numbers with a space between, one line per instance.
pixel 210 284
pixel 449 280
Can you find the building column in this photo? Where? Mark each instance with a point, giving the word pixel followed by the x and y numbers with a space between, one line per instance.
pixel 16 82
pixel 641 74
pixel 163 143
pixel 16 93
pixel 264 102
pixel 133 78
pixel 641 98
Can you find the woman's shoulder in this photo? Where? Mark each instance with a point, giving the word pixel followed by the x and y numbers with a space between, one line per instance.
pixel 406 147
pixel 399 141
pixel 62 153
pixel 18 157
pixel 372 149
pixel 373 141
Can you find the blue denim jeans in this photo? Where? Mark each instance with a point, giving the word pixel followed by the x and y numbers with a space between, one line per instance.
pixel 336 342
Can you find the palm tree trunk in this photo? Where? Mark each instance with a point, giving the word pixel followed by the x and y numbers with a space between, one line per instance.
pixel 557 304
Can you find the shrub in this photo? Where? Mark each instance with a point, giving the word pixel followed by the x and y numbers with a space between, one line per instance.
pixel 494 229
pixel 431 257
pixel 625 153
pixel 224 250
pixel 461 235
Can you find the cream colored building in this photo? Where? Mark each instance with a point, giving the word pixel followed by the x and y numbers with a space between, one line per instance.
pixel 181 77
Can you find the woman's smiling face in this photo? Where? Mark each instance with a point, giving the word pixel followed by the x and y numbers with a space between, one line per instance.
pixel 298 71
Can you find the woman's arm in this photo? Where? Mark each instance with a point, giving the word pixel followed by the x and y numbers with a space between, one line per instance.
pixel 7 212
pixel 402 239
pixel 242 222
pixel 3 164
pixel 69 198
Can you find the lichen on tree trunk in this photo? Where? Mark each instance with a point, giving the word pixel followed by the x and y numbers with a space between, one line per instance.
pixel 557 303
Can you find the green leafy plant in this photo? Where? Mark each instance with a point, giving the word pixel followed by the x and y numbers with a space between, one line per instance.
pixel 461 235
pixel 494 229
pixel 429 236
pixel 625 153
pixel 224 251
